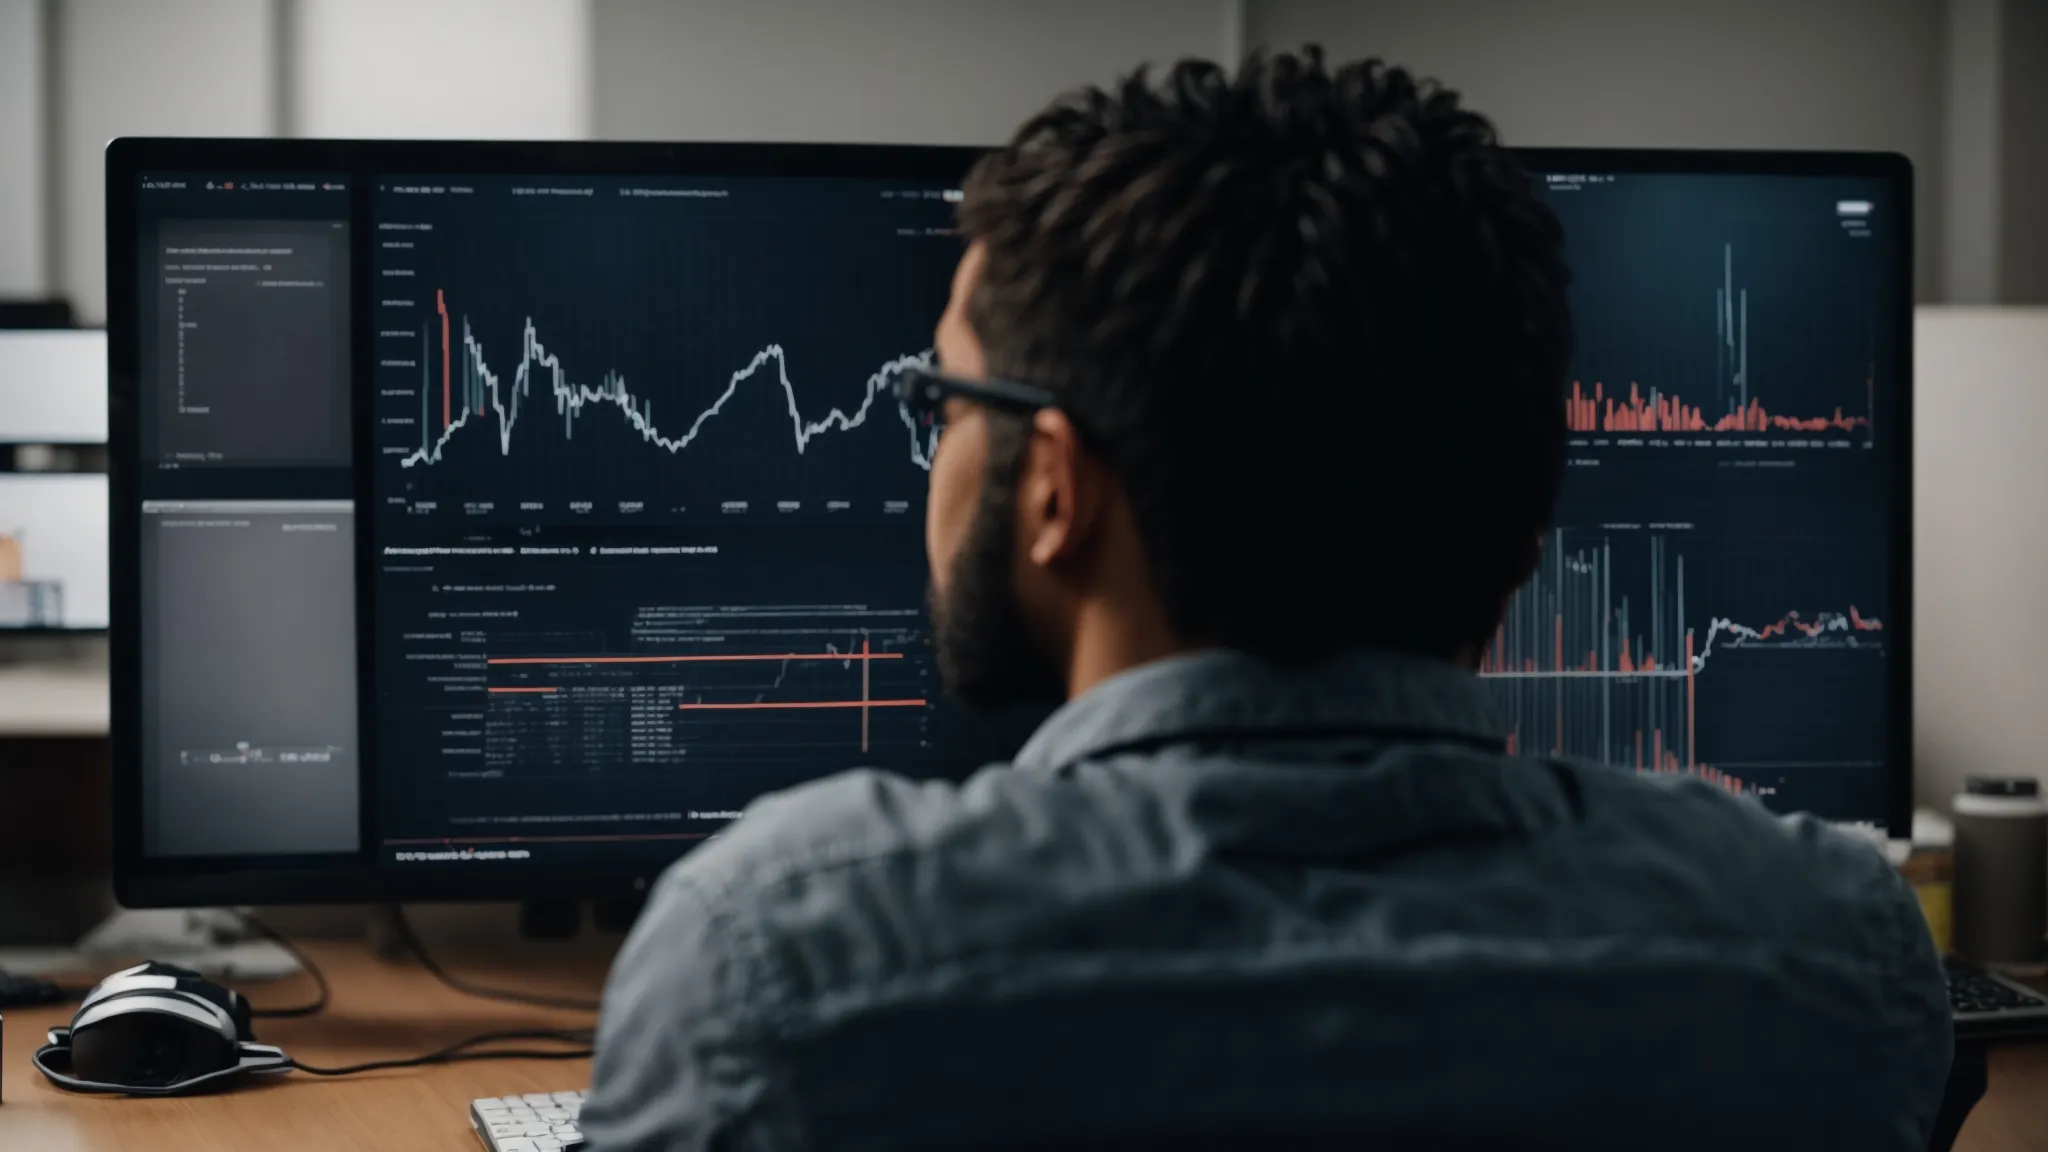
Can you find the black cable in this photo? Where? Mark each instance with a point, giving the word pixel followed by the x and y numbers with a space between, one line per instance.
pixel 459 1051
pixel 313 1007
pixel 483 992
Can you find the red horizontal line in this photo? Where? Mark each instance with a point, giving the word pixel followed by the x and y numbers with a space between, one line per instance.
pixel 551 839
pixel 540 690
pixel 762 657
pixel 803 704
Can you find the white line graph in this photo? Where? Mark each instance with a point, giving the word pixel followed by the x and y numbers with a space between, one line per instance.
pixel 480 381
pixel 1795 633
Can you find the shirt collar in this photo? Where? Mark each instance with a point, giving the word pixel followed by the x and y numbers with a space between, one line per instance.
pixel 1220 691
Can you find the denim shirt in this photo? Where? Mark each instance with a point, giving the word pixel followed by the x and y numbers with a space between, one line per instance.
pixel 1214 896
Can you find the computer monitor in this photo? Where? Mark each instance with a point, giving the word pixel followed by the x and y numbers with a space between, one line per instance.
pixel 53 552
pixel 496 520
pixel 53 386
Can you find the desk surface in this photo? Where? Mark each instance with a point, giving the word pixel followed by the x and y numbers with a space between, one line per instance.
pixel 382 1009
pixel 379 1009
pixel 53 699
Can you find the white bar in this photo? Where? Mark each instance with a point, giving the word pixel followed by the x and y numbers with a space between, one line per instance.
pixel 1853 207
pixel 53 387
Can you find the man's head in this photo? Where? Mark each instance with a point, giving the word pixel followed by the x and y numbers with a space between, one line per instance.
pixel 1308 331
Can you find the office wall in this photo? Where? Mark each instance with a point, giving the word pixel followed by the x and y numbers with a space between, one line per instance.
pixel 1981 546
pixel 1857 74
pixel 1971 143
pixel 165 67
pixel 909 71
pixel 460 69
pixel 22 174
pixel 2023 130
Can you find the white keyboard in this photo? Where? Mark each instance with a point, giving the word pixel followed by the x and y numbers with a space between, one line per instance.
pixel 535 1122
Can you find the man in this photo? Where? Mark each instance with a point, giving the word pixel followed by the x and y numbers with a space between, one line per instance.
pixel 1252 398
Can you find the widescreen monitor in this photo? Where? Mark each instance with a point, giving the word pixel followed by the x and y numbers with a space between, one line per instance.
pixel 496 520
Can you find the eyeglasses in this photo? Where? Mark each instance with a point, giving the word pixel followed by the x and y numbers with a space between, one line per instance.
pixel 923 393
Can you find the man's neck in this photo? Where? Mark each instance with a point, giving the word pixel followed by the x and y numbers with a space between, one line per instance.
pixel 1109 640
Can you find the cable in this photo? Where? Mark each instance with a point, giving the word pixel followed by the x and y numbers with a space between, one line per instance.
pixel 483 992
pixel 318 1004
pixel 459 1051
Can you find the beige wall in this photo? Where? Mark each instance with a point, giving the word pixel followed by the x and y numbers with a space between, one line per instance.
pixel 889 71
pixel 23 177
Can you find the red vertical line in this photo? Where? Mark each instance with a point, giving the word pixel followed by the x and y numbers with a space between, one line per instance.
pixel 441 306
pixel 1657 748
pixel 865 664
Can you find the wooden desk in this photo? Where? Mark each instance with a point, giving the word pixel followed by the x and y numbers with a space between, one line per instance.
pixel 385 1009
pixel 2013 1116
pixel 379 1010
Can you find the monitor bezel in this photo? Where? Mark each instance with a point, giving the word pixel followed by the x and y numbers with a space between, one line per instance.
pixel 142 881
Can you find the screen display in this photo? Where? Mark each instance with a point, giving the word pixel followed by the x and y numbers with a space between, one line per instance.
pixel 250 741
pixel 501 522
pixel 1715 599
pixel 648 519
pixel 53 551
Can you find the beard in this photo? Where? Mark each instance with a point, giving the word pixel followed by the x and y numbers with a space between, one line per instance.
pixel 987 659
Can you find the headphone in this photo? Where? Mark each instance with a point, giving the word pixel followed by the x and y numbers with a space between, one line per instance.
pixel 156 1030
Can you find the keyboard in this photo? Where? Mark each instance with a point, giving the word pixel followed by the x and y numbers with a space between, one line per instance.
pixel 535 1122
pixel 30 992
pixel 1988 1005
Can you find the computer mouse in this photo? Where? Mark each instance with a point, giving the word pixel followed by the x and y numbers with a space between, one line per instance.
pixel 156 1030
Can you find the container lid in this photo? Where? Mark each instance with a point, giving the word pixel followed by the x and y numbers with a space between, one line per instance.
pixel 2002 786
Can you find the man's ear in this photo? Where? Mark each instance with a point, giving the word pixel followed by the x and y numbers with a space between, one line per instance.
pixel 1060 493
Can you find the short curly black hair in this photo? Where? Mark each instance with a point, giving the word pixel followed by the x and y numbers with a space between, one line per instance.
pixel 1319 316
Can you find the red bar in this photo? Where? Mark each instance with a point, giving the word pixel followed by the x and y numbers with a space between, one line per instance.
pixel 757 656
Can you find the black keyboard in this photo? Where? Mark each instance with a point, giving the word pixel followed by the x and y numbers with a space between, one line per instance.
pixel 1987 1004
pixel 29 992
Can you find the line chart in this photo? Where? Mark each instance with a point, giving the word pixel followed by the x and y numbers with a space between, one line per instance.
pixel 484 393
pixel 1792 631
